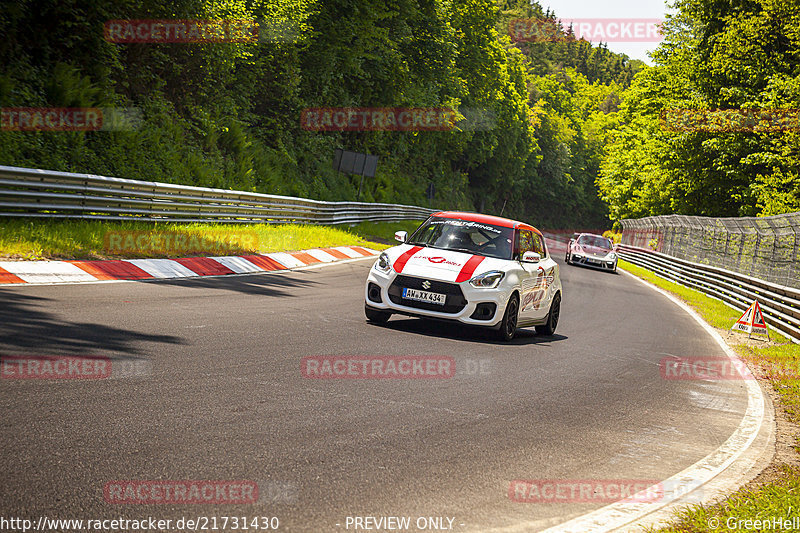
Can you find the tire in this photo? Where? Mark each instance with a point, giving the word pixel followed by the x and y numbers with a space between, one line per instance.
pixel 508 326
pixel 568 259
pixel 549 327
pixel 376 316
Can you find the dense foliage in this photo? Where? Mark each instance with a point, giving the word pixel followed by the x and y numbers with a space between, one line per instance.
pixel 228 114
pixel 717 54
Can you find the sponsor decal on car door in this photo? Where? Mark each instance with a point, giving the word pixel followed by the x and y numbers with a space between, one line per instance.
pixel 536 294
pixel 528 289
pixel 544 282
pixel 535 288
pixel 529 273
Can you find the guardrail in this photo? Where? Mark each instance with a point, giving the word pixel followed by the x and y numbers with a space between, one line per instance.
pixel 26 192
pixel 780 304
pixel 767 248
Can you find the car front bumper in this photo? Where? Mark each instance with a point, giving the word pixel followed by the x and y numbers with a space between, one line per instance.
pixel 468 308
pixel 594 262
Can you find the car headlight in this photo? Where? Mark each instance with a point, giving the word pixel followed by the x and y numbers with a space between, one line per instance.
pixel 383 264
pixel 487 280
pixel 611 256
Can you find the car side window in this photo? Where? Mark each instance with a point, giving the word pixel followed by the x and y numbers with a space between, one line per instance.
pixel 525 243
pixel 538 245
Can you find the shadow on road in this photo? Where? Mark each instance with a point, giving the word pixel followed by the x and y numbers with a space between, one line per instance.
pixel 258 284
pixel 26 326
pixel 435 328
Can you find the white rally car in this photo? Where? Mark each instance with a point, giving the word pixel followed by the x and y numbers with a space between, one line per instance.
pixel 476 269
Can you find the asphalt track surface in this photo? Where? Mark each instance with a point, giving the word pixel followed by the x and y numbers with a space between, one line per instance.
pixel 222 398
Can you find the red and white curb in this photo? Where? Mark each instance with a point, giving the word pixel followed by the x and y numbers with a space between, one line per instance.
pixel 40 272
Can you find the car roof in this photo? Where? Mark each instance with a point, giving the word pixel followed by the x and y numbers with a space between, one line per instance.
pixel 486 219
pixel 592 235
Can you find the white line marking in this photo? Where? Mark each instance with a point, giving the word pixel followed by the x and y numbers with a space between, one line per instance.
pixel 626 515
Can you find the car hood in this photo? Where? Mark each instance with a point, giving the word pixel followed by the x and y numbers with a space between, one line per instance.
pixel 443 265
pixel 595 250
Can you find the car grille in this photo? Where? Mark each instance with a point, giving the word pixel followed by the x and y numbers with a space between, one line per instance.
pixel 592 261
pixel 454 303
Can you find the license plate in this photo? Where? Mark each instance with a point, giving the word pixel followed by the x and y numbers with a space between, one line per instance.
pixel 424 296
pixel 593 261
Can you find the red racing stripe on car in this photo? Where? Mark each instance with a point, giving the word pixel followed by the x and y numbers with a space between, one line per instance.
pixel 403 259
pixel 469 268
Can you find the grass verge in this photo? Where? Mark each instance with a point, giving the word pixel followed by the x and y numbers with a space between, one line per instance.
pixel 25 239
pixel 383 232
pixel 765 505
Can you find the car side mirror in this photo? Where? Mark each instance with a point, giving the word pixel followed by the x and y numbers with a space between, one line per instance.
pixel 531 257
pixel 400 236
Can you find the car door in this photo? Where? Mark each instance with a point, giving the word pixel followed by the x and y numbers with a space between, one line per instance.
pixel 548 269
pixel 532 287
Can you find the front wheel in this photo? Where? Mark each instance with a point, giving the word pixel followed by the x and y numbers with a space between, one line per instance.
pixel 508 327
pixel 376 315
pixel 549 327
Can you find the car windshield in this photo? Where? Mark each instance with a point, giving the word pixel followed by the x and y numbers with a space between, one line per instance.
pixel 594 240
pixel 465 236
